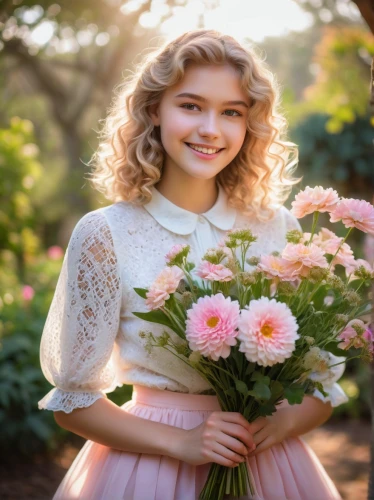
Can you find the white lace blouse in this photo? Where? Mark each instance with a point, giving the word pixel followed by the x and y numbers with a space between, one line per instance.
pixel 90 343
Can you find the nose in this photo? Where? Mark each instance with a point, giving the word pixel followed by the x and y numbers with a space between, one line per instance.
pixel 209 126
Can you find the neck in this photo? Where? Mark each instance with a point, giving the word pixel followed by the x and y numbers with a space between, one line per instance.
pixel 194 195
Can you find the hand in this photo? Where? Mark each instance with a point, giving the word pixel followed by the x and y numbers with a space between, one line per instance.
pixel 224 438
pixel 268 431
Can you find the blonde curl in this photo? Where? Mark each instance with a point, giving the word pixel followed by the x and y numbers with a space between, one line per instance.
pixel 130 155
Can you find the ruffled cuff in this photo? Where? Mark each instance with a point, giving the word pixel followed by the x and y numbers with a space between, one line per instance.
pixel 67 401
pixel 335 394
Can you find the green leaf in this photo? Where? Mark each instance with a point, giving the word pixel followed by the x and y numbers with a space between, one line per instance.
pixel 241 387
pixel 277 390
pixel 231 392
pixel 155 317
pixel 250 368
pixel 142 292
pixel 261 391
pixel 257 376
pixel 267 409
pixel 294 394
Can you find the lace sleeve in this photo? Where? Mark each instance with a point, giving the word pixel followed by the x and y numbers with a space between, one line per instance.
pixel 82 323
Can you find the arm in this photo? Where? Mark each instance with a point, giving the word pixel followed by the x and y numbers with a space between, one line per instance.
pixel 289 421
pixel 107 424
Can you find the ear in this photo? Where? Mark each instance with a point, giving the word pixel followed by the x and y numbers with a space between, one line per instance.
pixel 153 111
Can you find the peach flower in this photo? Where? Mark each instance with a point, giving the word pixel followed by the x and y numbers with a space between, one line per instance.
pixel 314 199
pixel 165 284
pixel 174 251
pixel 355 213
pixel 214 272
pixel 277 267
pixel 304 257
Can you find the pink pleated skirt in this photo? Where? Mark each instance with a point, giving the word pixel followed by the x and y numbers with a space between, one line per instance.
pixel 287 471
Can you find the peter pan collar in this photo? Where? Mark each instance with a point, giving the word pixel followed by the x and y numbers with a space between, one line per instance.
pixel 181 221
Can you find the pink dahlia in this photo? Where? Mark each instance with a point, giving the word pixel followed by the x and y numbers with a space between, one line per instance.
pixel 174 251
pixel 304 257
pixel 355 213
pixel 165 284
pixel 314 199
pixel 267 332
pixel 214 272
pixel 211 326
pixel 277 267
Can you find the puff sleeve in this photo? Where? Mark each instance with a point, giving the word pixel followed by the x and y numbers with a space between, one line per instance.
pixel 79 334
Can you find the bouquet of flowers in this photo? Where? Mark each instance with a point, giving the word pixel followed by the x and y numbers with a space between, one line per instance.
pixel 261 329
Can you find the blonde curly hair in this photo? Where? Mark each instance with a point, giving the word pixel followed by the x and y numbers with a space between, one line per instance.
pixel 130 156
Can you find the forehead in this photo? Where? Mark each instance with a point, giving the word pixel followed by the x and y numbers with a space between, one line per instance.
pixel 214 82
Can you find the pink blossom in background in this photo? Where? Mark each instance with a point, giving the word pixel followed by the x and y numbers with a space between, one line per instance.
pixel 174 251
pixel 355 213
pixel 28 293
pixel 165 284
pixel 267 332
pixel 277 267
pixel 214 272
pixel 211 326
pixel 55 252
pixel 306 257
pixel 314 199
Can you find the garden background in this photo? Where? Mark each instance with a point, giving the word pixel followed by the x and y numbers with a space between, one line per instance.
pixel 59 62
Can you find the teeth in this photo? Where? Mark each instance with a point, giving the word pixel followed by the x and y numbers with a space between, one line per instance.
pixel 204 150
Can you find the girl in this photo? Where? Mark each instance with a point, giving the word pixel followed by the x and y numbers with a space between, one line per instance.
pixel 191 148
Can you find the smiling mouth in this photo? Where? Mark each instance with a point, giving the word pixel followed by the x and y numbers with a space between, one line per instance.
pixel 204 150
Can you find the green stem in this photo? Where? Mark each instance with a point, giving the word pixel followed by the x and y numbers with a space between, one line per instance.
pixel 339 247
pixel 314 224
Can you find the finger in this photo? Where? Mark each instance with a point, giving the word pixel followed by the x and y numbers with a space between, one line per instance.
pixel 258 424
pixel 227 453
pixel 238 432
pixel 233 444
pixel 235 418
pixel 261 436
pixel 219 459
pixel 266 444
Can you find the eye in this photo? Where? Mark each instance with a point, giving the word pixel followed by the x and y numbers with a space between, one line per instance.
pixel 189 104
pixel 233 111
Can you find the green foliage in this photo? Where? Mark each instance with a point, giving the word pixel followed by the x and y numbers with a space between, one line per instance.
pixel 343 160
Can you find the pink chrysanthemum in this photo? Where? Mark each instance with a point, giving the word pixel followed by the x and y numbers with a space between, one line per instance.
pixel 277 267
pixel 314 199
pixel 211 326
pixel 214 272
pixel 174 251
pixel 355 213
pixel 329 243
pixel 267 332
pixel 306 257
pixel 165 284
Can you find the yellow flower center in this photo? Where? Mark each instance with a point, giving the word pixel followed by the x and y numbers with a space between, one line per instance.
pixel 267 330
pixel 212 322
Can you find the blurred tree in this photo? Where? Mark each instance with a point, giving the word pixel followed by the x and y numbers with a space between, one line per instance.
pixel 74 53
pixel 19 170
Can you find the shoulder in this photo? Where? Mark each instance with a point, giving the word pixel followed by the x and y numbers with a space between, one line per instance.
pixel 281 220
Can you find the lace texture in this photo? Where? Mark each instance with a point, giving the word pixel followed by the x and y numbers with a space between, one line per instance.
pixel 82 323
pixel 91 342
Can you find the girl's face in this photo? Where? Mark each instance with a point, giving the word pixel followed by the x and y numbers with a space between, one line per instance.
pixel 206 110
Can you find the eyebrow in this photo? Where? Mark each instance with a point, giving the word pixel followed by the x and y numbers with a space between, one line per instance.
pixel 202 99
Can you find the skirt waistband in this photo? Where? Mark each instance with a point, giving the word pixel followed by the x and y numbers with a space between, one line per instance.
pixel 169 399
